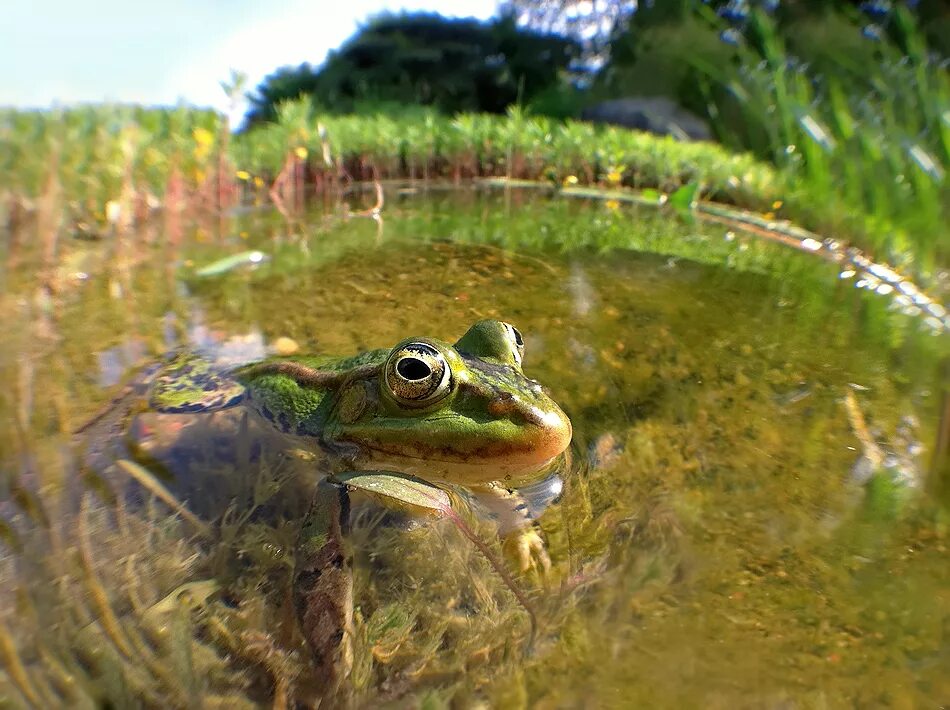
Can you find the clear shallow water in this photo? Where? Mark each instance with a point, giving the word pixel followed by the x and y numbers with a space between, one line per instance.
pixel 714 547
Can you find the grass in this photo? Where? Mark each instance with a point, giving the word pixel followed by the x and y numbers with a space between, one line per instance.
pixel 94 169
pixel 857 148
pixel 864 145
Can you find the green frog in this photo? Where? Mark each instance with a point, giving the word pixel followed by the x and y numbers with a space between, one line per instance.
pixel 427 412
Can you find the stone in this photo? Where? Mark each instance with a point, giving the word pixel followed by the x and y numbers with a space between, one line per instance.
pixel 655 114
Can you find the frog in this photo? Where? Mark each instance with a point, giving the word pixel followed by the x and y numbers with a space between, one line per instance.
pixel 435 414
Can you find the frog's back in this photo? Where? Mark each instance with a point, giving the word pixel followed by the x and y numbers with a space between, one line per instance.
pixel 297 394
pixel 189 383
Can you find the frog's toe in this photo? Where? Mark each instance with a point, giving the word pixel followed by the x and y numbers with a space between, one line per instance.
pixel 527 549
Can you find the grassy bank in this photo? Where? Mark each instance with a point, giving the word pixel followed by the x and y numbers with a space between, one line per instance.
pixel 90 166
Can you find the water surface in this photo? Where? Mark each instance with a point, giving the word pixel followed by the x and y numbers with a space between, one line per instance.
pixel 717 544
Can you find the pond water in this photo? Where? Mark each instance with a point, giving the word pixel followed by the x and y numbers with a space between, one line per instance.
pixel 749 521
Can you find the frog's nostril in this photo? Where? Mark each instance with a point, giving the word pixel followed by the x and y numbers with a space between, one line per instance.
pixel 412 369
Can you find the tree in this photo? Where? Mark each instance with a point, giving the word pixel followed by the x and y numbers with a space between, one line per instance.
pixel 285 84
pixel 451 64
pixel 597 23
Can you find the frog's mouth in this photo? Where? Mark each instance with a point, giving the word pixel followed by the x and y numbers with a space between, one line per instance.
pixel 461 449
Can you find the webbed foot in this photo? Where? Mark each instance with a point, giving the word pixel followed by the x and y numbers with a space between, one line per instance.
pixel 526 548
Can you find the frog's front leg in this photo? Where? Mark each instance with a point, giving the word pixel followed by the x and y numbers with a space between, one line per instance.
pixel 521 539
pixel 323 583
pixel 323 573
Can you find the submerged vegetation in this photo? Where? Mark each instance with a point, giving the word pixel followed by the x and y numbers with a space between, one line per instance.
pixel 711 511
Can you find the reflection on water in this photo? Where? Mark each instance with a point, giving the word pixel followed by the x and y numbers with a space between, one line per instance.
pixel 736 531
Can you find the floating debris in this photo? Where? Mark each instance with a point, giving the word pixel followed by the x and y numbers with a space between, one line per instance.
pixel 192 595
pixel 897 459
pixel 794 396
pixel 229 263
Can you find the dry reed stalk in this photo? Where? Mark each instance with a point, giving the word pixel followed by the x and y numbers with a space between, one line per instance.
pixel 870 448
pixel 15 668
pixel 277 188
pixel 145 478
pixel 174 204
pixel 49 212
pixel 100 598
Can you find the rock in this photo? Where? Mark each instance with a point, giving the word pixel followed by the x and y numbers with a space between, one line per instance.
pixel 656 114
pixel 285 346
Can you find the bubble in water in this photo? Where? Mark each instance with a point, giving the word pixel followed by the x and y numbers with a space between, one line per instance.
pixel 937 310
pixel 934 323
pixel 883 272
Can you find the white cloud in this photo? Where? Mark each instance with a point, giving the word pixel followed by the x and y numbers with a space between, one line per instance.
pixel 304 31
pixel 117 50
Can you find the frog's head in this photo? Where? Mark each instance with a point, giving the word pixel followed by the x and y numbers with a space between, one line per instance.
pixel 463 413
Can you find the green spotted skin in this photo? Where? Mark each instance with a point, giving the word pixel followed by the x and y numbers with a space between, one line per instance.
pixel 293 405
pixel 190 384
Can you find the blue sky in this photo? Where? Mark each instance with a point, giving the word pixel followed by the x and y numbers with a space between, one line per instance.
pixel 63 51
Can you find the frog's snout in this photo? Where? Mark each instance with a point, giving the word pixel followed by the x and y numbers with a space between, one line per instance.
pixel 546 431
pixel 552 431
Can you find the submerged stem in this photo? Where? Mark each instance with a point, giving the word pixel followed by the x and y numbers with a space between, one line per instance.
pixel 500 568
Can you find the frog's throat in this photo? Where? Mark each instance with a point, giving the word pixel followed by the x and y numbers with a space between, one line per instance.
pixel 308 376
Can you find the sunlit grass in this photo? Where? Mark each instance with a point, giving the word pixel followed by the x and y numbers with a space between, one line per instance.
pixel 864 149
pixel 90 167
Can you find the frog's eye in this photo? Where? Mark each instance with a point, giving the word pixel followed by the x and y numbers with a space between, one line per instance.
pixel 417 373
pixel 515 336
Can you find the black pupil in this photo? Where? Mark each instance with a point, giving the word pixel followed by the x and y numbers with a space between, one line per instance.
pixel 412 368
